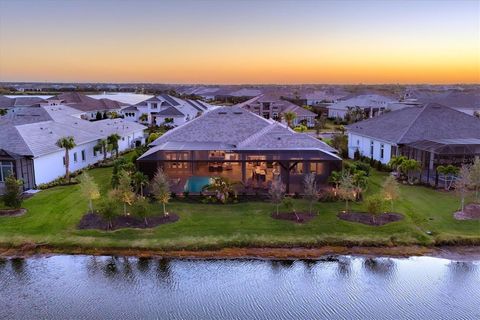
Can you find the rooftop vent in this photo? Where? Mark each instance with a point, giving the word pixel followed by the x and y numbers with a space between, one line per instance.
pixel 222 112
pixel 238 112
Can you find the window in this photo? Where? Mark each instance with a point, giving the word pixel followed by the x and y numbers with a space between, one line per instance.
pixel 154 106
pixel 83 155
pixel 94 152
pixel 382 149
pixel 371 149
pixel 6 169
pixel 64 162
pixel 358 142
pixel 75 157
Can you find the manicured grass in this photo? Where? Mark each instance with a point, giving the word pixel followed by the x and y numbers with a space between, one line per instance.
pixel 53 215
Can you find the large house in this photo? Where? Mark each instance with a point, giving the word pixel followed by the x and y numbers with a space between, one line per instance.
pixel 28 144
pixel 88 105
pixel 433 134
pixel 237 144
pixel 272 107
pixel 166 109
pixel 371 104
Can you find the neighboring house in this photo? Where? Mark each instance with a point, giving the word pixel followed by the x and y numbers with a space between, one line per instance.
pixel 237 144
pixel 28 144
pixel 371 104
pixel 328 95
pixel 433 134
pixel 16 104
pixel 165 109
pixel 272 107
pixel 89 106
pixel 467 102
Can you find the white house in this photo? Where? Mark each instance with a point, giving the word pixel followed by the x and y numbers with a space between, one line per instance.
pixel 430 133
pixel 372 104
pixel 28 145
pixel 166 109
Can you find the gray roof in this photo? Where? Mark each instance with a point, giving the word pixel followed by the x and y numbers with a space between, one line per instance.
pixel 282 105
pixel 36 135
pixel 170 111
pixel 6 102
pixel 430 122
pixel 233 128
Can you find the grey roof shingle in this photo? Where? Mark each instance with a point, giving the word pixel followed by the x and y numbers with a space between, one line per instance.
pixel 429 122
pixel 234 128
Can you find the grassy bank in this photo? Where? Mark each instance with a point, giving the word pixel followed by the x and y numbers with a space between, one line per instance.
pixel 53 215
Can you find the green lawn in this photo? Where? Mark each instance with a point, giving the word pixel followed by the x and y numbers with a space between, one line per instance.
pixel 54 213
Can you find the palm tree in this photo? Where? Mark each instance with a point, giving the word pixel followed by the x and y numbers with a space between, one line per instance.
pixel 222 187
pixel 113 142
pixel 410 167
pixel 143 117
pixel 289 116
pixel 67 143
pixel 139 180
pixel 396 162
pixel 102 147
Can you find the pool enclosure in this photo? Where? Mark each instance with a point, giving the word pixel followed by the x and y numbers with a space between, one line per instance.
pixel 255 169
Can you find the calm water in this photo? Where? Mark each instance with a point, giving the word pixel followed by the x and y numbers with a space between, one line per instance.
pixel 350 287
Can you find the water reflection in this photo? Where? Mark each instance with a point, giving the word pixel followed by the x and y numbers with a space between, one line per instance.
pixel 384 267
pixel 66 287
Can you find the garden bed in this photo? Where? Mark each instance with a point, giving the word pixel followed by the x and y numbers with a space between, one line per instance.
pixel 470 212
pixel 12 212
pixel 303 217
pixel 369 219
pixel 95 221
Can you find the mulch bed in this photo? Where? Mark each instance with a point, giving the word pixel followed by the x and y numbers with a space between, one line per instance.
pixel 290 216
pixel 369 219
pixel 95 221
pixel 470 212
pixel 12 212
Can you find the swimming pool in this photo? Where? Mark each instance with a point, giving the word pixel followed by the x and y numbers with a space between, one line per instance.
pixel 196 184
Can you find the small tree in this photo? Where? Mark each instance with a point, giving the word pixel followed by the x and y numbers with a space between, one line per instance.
pixel 140 208
pixel 449 175
pixel 289 116
pixel 391 191
pixel 108 208
pixel 475 177
pixel 277 192
pixel 124 191
pixel 67 143
pixel 320 124
pixel 139 180
pixel 13 194
pixel 462 183
pixel 310 189
pixel 113 142
pixel 375 205
pixel 288 203
pixel 153 136
pixel 346 189
pixel 89 189
pixel 98 115
pixel 222 187
pixel 160 188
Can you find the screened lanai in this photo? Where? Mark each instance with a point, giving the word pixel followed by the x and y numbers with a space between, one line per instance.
pixel 434 153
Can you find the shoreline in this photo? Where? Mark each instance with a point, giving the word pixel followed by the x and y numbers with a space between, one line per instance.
pixel 458 253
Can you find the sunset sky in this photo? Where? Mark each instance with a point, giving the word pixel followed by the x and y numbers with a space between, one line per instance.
pixel 240 41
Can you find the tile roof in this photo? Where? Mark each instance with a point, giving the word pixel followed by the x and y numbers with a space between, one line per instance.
pixel 283 105
pixel 429 122
pixel 85 103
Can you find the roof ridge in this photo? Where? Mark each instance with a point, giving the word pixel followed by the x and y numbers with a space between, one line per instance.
pixel 257 135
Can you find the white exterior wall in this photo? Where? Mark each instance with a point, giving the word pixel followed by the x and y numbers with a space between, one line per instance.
pixel 334 113
pixel 363 145
pixel 50 166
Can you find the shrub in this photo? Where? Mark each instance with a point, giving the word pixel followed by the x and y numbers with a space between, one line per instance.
pixel 375 204
pixel 13 194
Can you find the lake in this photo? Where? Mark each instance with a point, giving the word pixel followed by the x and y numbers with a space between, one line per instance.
pixel 343 287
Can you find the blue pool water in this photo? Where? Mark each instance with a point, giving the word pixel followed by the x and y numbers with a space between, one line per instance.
pixel 196 184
